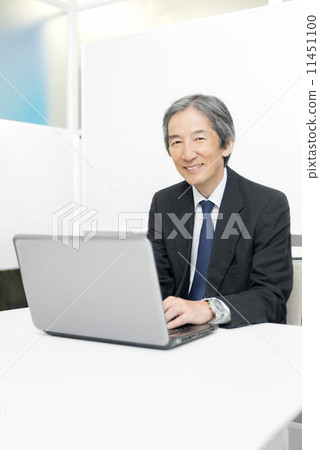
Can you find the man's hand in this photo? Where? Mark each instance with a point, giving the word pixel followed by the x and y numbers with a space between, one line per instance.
pixel 178 312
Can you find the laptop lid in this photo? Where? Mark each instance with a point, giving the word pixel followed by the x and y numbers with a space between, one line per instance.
pixel 107 289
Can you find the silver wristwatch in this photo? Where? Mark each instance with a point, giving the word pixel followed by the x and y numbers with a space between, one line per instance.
pixel 217 309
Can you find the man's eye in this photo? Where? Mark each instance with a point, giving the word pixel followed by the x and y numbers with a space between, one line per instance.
pixel 199 138
pixel 176 142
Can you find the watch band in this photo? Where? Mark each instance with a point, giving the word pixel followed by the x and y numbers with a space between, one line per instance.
pixel 221 312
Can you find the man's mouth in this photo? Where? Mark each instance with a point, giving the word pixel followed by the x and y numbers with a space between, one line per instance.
pixel 193 168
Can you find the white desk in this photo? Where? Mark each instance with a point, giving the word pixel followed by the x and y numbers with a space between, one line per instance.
pixel 230 390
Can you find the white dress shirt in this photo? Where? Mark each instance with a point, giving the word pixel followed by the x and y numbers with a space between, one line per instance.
pixel 216 198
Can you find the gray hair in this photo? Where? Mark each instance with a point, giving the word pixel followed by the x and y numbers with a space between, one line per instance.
pixel 213 108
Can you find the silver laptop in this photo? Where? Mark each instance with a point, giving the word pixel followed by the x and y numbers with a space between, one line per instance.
pixel 105 290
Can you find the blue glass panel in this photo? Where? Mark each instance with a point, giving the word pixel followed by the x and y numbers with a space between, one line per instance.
pixel 22 63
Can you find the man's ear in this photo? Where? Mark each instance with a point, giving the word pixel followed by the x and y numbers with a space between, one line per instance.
pixel 229 147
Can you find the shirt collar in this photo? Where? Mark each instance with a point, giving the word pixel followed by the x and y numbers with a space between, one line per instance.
pixel 215 197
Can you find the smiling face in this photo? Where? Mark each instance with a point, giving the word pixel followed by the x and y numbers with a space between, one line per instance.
pixel 195 149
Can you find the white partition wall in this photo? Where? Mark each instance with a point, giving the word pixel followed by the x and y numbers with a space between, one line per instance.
pixel 36 180
pixel 249 59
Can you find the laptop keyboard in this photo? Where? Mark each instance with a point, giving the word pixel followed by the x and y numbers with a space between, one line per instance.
pixel 185 329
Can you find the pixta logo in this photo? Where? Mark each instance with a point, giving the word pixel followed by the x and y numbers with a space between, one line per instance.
pixel 70 225
pixel 137 222
pixel 132 223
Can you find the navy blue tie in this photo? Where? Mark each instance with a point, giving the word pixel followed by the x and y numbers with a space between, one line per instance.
pixel 198 287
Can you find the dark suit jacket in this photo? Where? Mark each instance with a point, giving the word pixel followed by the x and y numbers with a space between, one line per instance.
pixel 253 275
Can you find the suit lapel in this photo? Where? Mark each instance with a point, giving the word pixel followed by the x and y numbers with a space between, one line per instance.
pixel 184 205
pixel 223 248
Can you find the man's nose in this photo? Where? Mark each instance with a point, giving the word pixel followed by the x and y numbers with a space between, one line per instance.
pixel 188 151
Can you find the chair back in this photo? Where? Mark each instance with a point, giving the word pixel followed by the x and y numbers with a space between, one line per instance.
pixel 294 304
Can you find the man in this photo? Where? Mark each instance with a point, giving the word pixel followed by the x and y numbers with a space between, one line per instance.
pixel 221 242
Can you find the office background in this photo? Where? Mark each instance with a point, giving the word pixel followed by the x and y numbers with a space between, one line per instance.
pixel 45 106
pixel 45 114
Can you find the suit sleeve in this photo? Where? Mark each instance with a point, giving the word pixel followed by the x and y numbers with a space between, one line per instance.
pixel 156 238
pixel 270 280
